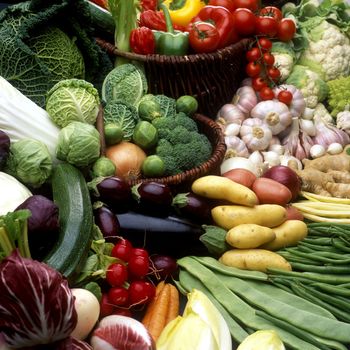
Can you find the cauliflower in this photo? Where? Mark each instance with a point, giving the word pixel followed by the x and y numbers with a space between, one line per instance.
pixel 328 51
pixel 339 95
pixel 313 88
pixel 284 58
pixel 322 112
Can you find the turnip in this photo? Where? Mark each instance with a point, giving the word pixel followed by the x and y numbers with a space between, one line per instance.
pixel 88 310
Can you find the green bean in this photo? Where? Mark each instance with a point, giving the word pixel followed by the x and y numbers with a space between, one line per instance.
pixel 332 289
pixel 292 329
pixel 331 343
pixel 325 257
pixel 236 307
pixel 309 247
pixel 317 277
pixel 344 285
pixel 236 330
pixel 342 270
pixel 317 241
pixel 339 244
pixel 290 257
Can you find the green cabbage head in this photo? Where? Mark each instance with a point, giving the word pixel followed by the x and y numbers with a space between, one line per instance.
pixel 30 162
pixel 78 144
pixel 72 100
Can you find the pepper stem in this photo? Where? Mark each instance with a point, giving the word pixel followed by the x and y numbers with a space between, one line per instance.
pixel 168 21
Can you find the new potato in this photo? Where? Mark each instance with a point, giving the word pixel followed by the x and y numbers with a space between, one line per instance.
pixel 247 236
pixel 254 259
pixel 229 216
pixel 287 234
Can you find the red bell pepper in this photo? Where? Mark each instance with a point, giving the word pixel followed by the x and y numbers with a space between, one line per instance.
pixel 221 18
pixel 102 3
pixel 155 20
pixel 142 41
pixel 148 5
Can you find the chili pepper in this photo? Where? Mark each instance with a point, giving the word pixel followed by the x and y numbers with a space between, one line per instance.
pixel 182 11
pixel 142 41
pixel 172 42
pixel 148 5
pixel 221 18
pixel 156 20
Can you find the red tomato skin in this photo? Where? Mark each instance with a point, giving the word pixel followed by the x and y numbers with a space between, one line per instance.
pixel 203 37
pixel 253 54
pixel 264 44
pixel 266 93
pixel 268 59
pixel 274 73
pixel 224 3
pixel 286 29
pixel 266 26
pixel 258 83
pixel 244 22
pixel 285 97
pixel 252 5
pixel 271 11
pixel 253 69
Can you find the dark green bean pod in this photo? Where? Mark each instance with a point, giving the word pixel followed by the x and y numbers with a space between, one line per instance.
pixel 335 270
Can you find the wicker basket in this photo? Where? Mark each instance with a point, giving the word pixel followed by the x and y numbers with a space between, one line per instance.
pixel 212 78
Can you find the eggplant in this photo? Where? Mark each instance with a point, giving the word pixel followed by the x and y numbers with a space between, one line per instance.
pixel 171 235
pixel 107 222
pixel 4 148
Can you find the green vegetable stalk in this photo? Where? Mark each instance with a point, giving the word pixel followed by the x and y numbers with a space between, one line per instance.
pixel 124 13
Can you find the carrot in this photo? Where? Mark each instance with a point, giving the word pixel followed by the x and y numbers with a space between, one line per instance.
pixel 174 304
pixel 150 308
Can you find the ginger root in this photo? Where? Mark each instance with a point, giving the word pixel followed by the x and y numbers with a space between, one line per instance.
pixel 328 175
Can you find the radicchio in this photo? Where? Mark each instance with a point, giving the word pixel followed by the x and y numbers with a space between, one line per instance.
pixel 36 304
pixel 72 344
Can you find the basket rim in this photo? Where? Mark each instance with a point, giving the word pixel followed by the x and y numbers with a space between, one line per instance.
pixel 111 48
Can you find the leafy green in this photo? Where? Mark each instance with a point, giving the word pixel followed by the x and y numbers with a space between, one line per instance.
pixel 44 41
pixel 95 289
pixel 126 83
pixel 30 162
pixel 167 105
pixel 72 100
pixel 122 114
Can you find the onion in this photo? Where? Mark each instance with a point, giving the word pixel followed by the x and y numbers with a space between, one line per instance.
pixel 128 159
pixel 286 176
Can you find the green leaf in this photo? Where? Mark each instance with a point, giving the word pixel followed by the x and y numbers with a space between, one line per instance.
pixel 95 289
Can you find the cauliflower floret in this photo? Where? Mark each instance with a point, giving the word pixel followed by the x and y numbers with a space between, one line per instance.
pixel 328 51
pixel 284 58
pixel 322 112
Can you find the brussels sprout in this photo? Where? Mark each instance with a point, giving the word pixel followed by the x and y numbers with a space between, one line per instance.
pixel 30 162
pixel 145 135
pixel 78 144
pixel 103 167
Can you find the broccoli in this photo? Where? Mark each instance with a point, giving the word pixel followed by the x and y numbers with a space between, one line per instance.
pixel 164 125
pixel 185 121
pixel 179 135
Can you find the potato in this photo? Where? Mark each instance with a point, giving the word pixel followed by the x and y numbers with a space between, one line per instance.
pixel 229 216
pixel 287 234
pixel 241 176
pixel 254 259
pixel 220 187
pixel 247 236
pixel 270 191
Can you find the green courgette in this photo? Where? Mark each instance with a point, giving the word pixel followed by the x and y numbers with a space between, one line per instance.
pixel 71 194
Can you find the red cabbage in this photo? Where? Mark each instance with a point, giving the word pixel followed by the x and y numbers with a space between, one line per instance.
pixel 72 344
pixel 37 306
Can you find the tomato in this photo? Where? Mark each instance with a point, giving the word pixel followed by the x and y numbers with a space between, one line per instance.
pixel 253 54
pixel 285 96
pixel 265 44
pixel 266 93
pixel 258 83
pixel 116 274
pixel 138 266
pixel 203 37
pixel 268 58
pixel 274 73
pixel 253 69
pixel 271 11
pixel 266 26
pixel 286 29
pixel 224 3
pixel 252 5
pixel 118 296
pixel 244 21
pixel 140 292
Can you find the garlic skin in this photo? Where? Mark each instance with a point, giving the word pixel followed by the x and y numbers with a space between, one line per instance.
pixel 232 129
pixel 343 121
pixel 290 161
pixel 238 162
pixel 228 114
pixel 317 151
pixel 298 104
pixel 335 148
pixel 257 158
pixel 274 113
pixel 245 99
pixel 308 126
pixel 279 149
pixel 308 113
pixel 255 134
pixel 271 158
pixel 235 147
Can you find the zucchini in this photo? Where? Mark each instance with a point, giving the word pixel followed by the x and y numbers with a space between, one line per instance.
pixel 71 194
pixel 101 19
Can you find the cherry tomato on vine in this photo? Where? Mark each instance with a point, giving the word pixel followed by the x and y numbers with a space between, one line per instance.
pixel 266 93
pixel 224 3
pixel 271 11
pixel 268 58
pixel 273 73
pixel 253 69
pixel 286 29
pixel 118 296
pixel 285 96
pixel 140 292
pixel 203 37
pixel 258 83
pixel 266 26
pixel 244 20
pixel 116 274
pixel 253 54
pixel 265 44
pixel 248 4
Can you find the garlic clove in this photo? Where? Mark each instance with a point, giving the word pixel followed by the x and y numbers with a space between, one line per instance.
pixel 279 149
pixel 317 151
pixel 308 113
pixel 335 148
pixel 271 158
pixel 232 129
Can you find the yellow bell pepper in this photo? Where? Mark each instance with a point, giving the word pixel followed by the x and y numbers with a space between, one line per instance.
pixel 183 14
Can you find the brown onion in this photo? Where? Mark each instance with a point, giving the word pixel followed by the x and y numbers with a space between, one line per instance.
pixel 286 176
pixel 128 159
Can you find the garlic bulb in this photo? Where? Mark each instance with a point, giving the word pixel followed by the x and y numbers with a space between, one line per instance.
pixel 279 149
pixel 255 134
pixel 298 104
pixel 290 161
pixel 238 163
pixel 229 113
pixel 308 113
pixel 317 151
pixel 257 158
pixel 308 126
pixel 232 129
pixel 335 148
pixel 274 113
pixel 271 158
pixel 235 147
pixel 245 99
pixel 343 121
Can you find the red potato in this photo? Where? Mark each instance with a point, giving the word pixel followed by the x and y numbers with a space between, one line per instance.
pixel 270 191
pixel 241 176
pixel 293 213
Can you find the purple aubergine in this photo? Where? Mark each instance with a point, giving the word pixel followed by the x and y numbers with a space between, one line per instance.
pixel 115 192
pixel 192 206
pixel 4 148
pixel 107 222
pixel 153 198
